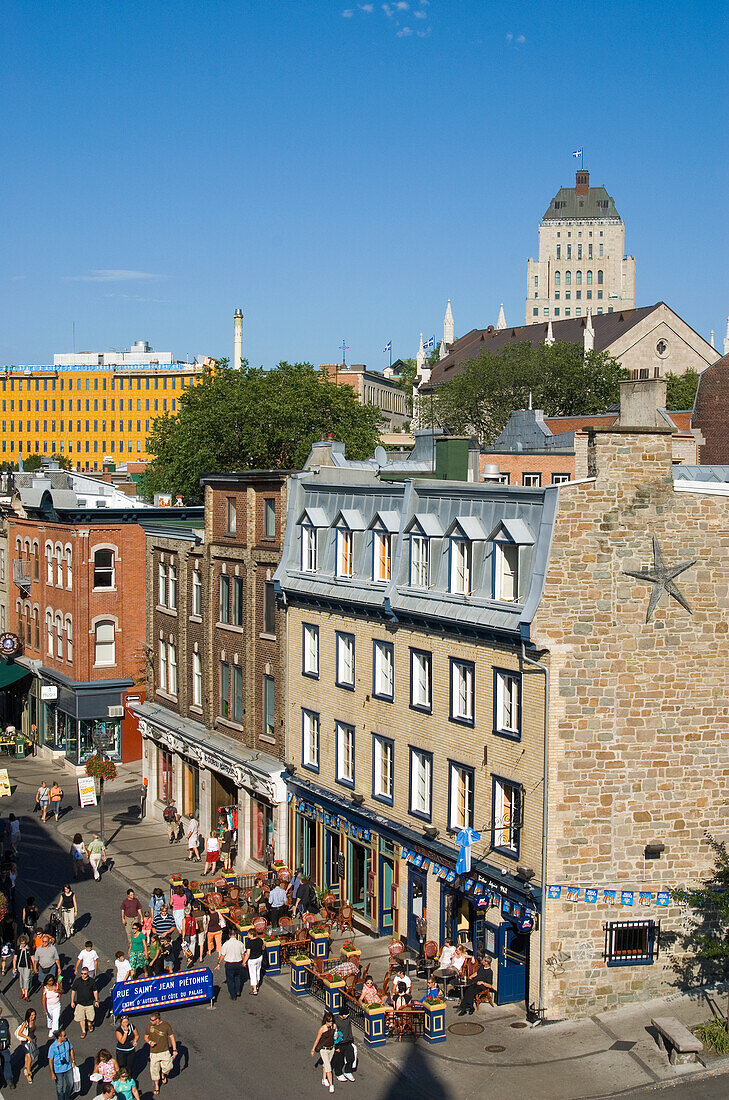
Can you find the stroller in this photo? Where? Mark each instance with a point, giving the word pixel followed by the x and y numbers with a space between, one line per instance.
pixel 56 928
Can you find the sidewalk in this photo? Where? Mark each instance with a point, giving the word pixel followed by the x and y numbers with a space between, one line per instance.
pixel 604 1054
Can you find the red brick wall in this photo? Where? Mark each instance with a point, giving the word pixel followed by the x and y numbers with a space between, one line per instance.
pixel 517 465
pixel 709 415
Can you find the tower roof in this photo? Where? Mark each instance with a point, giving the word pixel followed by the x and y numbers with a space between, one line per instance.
pixel 581 201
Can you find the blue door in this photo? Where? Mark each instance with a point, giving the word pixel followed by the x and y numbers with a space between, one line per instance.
pixel 512 962
pixel 387 880
pixel 416 905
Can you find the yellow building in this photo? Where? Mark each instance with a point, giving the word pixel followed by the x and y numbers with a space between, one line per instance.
pixel 89 413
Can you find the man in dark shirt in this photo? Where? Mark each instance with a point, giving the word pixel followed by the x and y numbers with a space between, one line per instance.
pixel 165 927
pixel 343 1059
pixel 131 910
pixel 306 898
pixel 84 1001
pixel 484 980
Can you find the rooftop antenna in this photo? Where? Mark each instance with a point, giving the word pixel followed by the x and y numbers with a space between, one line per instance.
pixel 344 349
pixel 530 400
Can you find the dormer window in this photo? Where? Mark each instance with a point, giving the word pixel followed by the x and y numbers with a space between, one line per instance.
pixel 344 552
pixel 509 538
pixel 461 565
pixel 419 561
pixel 309 523
pixel 383 526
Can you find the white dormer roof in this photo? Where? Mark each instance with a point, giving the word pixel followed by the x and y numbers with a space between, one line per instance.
pixel 389 520
pixel 512 530
pixel 469 527
pixel 427 523
pixel 317 517
pixel 351 518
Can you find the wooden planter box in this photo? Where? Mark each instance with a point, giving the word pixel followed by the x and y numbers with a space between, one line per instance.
pixel 434 1024
pixel 319 945
pixel 273 957
pixel 333 995
pixel 300 978
pixel 374 1029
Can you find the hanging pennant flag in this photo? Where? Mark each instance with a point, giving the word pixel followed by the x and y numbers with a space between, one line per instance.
pixel 626 897
pixel 644 898
pixel 451 876
pixel 435 868
pixel 662 897
pixel 425 865
pixel 505 906
pixel 608 897
pixel 418 860
pixel 554 892
pixel 591 895
pixel 573 893
pixel 468 884
pixel 465 839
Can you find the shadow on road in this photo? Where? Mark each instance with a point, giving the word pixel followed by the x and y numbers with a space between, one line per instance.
pixel 419 1081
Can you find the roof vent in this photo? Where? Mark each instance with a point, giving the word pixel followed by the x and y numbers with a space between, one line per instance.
pixel 491 473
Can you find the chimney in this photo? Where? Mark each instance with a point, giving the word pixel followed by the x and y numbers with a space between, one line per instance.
pixel 640 400
pixel 582 182
pixel 237 338
pixel 490 474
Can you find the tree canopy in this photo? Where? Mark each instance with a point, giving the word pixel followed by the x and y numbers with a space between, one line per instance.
pixel 254 419
pixel 562 380
pixel 681 389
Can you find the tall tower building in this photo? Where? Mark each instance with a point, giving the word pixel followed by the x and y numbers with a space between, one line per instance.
pixel 582 263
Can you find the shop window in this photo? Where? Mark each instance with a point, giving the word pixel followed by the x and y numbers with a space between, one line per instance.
pixel 310 739
pixel 631 942
pixel 421 783
pixel 269 518
pixel 344 734
pixel 261 828
pixel 345 660
pixel 269 706
pixel 383 759
pixel 237 694
pixel 344 552
pixel 164 775
pixel 224 689
pixel 460 578
pixel 419 561
pixel 421 680
pixel 269 608
pixel 383 670
pixel 506 815
pixel 310 650
pixel 224 600
pixel 104 568
pixel 196 680
pixel 197 592
pixel 462 691
pixel 460 796
pixel 507 703
pixel 238 603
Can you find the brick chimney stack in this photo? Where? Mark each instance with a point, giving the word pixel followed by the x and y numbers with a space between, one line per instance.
pixel 582 182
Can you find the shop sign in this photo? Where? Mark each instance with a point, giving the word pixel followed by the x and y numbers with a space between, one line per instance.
pixel 525 924
pixel 87 790
pixel 10 644
pixel 48 693
pixel 170 991
pixel 4 783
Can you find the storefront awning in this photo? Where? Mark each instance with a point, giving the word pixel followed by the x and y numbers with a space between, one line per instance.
pixel 10 673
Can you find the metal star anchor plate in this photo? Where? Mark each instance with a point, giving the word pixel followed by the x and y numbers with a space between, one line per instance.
pixel 662 578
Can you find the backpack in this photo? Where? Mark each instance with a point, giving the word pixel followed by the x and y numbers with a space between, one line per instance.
pixel 169 814
pixel 4 1034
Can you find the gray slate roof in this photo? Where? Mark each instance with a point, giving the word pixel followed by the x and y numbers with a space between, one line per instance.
pixel 701 473
pixel 567 203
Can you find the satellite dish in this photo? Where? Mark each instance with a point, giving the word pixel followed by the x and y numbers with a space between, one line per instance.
pixel 380 456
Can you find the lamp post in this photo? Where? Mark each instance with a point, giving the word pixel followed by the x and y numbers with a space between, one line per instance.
pixel 101 745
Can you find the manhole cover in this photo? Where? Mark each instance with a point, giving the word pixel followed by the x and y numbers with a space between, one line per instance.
pixel 495 1049
pixel 622 1044
pixel 520 1023
pixel 466 1029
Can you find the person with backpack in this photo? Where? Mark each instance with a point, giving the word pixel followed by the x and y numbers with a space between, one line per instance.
pixel 306 899
pixel 7 1070
pixel 172 818
pixel 344 1060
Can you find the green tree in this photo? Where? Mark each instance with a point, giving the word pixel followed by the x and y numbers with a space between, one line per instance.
pixel 681 389
pixel 254 419
pixel 34 462
pixel 705 956
pixel 561 379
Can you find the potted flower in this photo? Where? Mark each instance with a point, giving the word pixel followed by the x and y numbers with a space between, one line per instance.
pixel 300 974
pixel 333 986
pixel 374 1024
pixel 349 950
pixel 319 941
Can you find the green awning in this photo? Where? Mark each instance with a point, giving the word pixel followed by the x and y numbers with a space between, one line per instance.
pixel 10 672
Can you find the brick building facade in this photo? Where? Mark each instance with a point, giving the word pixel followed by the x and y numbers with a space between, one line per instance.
pixel 214 718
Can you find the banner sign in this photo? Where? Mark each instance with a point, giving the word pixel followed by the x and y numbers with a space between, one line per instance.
pixel 592 894
pixel 87 790
pixel 169 991
pixel 4 782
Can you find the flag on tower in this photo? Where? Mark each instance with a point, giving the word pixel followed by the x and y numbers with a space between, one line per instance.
pixel 388 346
pixel 577 153
pixel 429 343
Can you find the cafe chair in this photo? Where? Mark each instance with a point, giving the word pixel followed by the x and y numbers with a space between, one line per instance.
pixel 261 925
pixel 430 957
pixel 343 921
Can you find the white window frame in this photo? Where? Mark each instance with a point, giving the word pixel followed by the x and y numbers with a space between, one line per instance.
pixel 461 808
pixel 163 671
pixel 344 553
pixel 506 825
pixel 196 679
pixel 59 635
pixel 69 638
pixel 172 684
pixel 506 572
pixel 197 592
pixel 383 768
pixel 345 659
pixel 381 557
pixel 463 703
pixel 383 669
pixel 49 633
pixel 162 584
pixel 421 680
pixel 69 568
pixel 419 561
pixel 508 703
pixel 531 480
pixel 421 783
pixel 110 569
pixel 310 650
pixel 309 548
pixel 49 563
pixel 345 753
pixel 461 561
pixel 172 587
pixel 112 643
pixel 310 743
pixel 59 567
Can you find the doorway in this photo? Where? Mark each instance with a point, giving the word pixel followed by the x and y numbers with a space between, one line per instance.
pixel 223 792
pixel 387 894
pixel 417 886
pixel 332 848
pixel 357 878
pixel 513 956
pixel 306 847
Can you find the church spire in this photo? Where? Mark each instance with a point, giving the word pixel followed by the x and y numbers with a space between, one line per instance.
pixel 448 331
pixel 726 338
pixel 549 338
pixel 589 333
pixel 501 323
pixel 420 357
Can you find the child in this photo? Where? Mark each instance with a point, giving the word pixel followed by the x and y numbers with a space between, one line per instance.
pixel 7 952
pixel 433 991
pixel 88 958
pixel 123 967
pixel 147 923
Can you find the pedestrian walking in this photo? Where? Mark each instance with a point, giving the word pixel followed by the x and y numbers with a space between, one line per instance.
pixel 126 1086
pixel 155 956
pixel 14 826
pixel 68 909
pixel 131 912
pixel 25 1034
pixel 162 1050
pixel 88 958
pixel 106 1066
pixel 7 1063
pixel 85 1001
pixel 253 959
pixel 147 919
pixel 23 966
pixel 122 967
pixel 189 938
pixel 97 854
pixel 79 852
pixel 156 901
pixel 343 1061
pixel 51 1004
pixel 172 819
pixel 232 953
pixel 61 1062
pixel 43 798
pixel 324 1046
pixel 56 796
pixel 30 917
pixel 192 836
pixel 178 901
pixel 46 962
pixel 214 932
pixel 127 1038
pixel 138 953
pixel 212 854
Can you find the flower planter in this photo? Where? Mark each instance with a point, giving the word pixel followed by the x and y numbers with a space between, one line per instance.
pixel 273 957
pixel 333 995
pixel 434 1024
pixel 300 978
pixel 319 945
pixel 374 1026
pixel 351 953
pixel 245 931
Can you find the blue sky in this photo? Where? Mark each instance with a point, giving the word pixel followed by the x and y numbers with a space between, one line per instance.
pixel 339 171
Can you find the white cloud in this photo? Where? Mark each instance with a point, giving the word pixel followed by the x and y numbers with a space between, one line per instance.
pixel 369 8
pixel 509 38
pixel 347 13
pixel 112 275
pixel 420 14
pixel 404 32
pixel 387 10
pixel 402 5
pixel 18 278
pixel 425 33
pixel 521 39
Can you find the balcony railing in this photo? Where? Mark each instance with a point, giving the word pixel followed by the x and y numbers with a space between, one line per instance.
pixel 21 573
